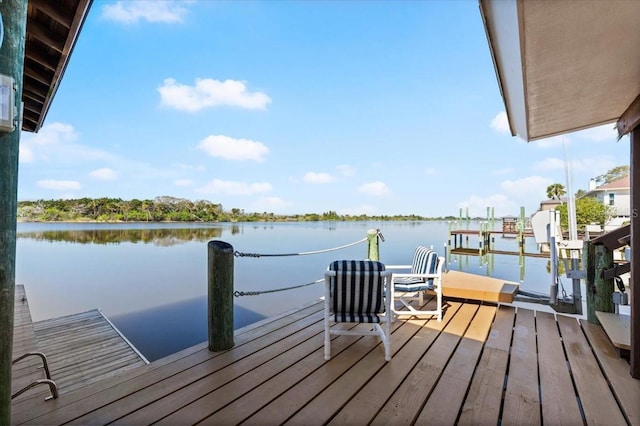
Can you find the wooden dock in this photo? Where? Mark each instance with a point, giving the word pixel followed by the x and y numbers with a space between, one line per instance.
pixel 81 349
pixel 483 364
pixel 464 285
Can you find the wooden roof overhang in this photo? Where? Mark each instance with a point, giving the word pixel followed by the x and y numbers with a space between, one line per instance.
pixel 52 31
pixel 564 66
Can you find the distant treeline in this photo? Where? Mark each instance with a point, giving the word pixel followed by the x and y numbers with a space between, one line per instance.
pixel 170 209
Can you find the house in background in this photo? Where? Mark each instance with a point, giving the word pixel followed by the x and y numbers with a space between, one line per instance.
pixel 552 203
pixel 616 195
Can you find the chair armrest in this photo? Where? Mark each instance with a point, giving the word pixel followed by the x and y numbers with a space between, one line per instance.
pixel 387 267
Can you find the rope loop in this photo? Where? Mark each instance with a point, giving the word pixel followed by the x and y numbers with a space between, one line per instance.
pixel 239 293
pixel 241 254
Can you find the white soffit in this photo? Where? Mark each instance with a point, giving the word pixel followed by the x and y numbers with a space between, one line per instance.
pixel 564 65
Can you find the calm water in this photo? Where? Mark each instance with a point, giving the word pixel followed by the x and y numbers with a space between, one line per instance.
pixel 151 279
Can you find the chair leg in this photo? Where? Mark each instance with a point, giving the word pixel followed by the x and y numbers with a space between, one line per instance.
pixel 327 328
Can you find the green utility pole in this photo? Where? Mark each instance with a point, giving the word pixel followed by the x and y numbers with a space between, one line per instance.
pixel 13 14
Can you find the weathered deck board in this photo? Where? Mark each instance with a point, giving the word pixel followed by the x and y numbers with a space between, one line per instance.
pixel 521 400
pixel 617 327
pixel 80 349
pixel 463 285
pixel 83 348
pixel 626 389
pixel 24 340
pixel 559 402
pixel 597 401
pixel 483 402
pixel 479 358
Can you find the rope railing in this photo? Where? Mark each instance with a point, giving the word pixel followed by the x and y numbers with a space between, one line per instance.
pixel 239 293
pixel 304 253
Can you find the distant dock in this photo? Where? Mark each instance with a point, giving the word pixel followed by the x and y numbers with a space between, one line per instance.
pixel 80 349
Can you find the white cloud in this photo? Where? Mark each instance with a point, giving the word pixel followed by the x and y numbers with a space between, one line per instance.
pixel 183 182
pixel 374 188
pixel 129 12
pixel 526 192
pixel 501 204
pixel 529 187
pixel 500 123
pixel 39 146
pixel 552 142
pixel 60 185
pixel 312 177
pixel 26 154
pixel 346 170
pixel 590 165
pixel 270 204
pixel 190 167
pixel 599 134
pixel 56 143
pixel 218 186
pixel 233 149
pixel 550 163
pixel 104 173
pixel 208 92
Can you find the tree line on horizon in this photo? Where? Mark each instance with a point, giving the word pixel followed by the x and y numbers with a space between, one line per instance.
pixel 171 209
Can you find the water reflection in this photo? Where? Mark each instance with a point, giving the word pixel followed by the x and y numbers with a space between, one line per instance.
pixel 162 331
pixel 165 237
pixel 151 279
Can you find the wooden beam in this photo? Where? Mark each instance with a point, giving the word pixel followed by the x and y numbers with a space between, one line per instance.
pixel 630 119
pixel 52 10
pixel 38 76
pixel 14 19
pixel 39 32
pixel 42 59
pixel 612 239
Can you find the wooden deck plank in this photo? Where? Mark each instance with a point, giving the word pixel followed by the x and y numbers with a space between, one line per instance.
pixel 257 387
pixel 364 405
pixel 456 378
pixel 483 402
pixel 411 395
pixel 80 402
pixel 463 285
pixel 559 402
pixel 617 327
pixel 29 369
pixel 276 374
pixel 198 400
pixel 295 397
pixel 521 400
pixel 617 371
pixel 597 400
pixel 158 389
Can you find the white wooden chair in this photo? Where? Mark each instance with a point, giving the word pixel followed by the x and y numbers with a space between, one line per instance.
pixel 358 291
pixel 424 275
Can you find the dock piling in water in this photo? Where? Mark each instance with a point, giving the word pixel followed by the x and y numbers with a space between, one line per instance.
pixel 220 295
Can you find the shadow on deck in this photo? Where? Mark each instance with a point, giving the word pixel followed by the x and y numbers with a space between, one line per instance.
pixel 483 364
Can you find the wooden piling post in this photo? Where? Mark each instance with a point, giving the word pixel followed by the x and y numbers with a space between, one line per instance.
pixel 13 16
pixel 373 247
pixel 220 296
pixel 599 290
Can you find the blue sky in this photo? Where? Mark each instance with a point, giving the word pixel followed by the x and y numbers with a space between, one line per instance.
pixel 296 107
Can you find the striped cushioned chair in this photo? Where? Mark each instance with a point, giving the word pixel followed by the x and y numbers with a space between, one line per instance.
pixel 425 274
pixel 357 291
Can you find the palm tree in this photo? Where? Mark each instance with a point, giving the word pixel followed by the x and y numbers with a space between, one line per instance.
pixel 556 191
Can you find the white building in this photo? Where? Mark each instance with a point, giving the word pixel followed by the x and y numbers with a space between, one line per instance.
pixel 617 196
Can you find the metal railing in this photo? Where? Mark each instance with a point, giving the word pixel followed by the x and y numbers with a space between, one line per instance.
pixel 53 388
